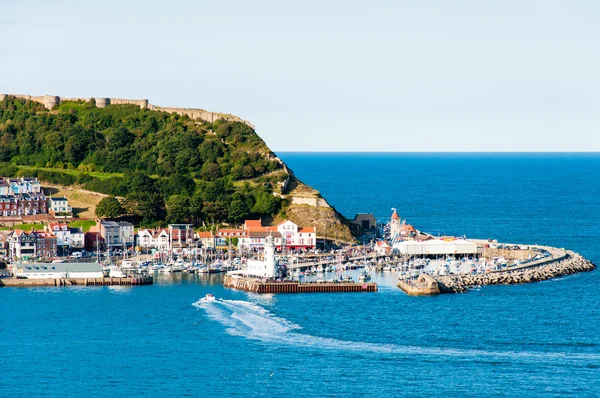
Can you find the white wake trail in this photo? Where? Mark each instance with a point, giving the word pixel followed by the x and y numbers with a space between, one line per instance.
pixel 244 318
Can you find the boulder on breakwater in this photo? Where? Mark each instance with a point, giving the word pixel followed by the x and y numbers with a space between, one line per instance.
pixel 571 263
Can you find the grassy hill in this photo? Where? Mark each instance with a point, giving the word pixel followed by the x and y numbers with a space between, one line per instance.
pixel 163 167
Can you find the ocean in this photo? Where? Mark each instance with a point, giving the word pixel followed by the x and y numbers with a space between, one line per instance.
pixel 527 340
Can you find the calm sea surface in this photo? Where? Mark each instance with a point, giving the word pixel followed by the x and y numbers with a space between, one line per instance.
pixel 530 340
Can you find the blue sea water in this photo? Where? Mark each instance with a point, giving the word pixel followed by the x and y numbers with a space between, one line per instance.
pixel 528 340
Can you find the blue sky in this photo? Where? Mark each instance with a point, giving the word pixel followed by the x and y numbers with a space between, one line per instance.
pixel 329 75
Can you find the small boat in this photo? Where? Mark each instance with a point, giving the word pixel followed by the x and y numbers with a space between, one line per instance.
pixel 208 297
pixel 364 276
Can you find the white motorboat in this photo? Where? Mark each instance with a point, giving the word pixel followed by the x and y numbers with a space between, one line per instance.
pixel 208 298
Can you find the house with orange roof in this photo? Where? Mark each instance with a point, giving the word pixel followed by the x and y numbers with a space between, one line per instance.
pixel 206 239
pixel 382 248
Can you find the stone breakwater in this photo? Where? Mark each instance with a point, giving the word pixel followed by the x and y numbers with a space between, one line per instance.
pixel 571 263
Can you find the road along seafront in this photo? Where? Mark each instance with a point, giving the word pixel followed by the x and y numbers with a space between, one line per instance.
pixel 561 263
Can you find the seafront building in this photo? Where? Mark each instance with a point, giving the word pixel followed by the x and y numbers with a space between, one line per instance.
pixel 115 233
pixel 58 270
pixel 148 239
pixel 253 236
pixel 31 244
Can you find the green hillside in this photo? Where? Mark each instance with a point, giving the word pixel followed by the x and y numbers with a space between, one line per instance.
pixel 163 167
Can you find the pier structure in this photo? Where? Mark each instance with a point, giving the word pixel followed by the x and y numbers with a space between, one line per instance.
pixel 424 285
pixel 259 286
pixel 18 282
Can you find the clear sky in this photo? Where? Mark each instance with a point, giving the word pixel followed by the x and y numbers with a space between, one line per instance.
pixel 421 75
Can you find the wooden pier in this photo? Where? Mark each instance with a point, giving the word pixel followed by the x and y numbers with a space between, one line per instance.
pixel 257 286
pixel 16 282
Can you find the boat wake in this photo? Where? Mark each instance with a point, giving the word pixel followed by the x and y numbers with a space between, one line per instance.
pixel 244 318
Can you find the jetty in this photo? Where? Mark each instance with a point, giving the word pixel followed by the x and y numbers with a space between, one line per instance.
pixel 424 285
pixel 38 282
pixel 561 263
pixel 259 286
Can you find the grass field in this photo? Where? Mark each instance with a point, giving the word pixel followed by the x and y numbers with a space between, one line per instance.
pixel 24 227
pixel 74 172
pixel 83 224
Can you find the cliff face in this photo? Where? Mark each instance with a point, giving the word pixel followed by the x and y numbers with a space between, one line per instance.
pixel 308 208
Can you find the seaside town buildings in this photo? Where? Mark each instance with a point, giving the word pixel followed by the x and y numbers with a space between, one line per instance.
pixel 253 235
pixel 27 245
pixel 24 197
pixel 58 239
pixel 116 233
pixel 181 238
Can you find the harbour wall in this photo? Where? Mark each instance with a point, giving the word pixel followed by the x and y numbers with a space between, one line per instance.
pixel 42 282
pixel 561 265
pixel 424 285
pixel 52 101
pixel 257 286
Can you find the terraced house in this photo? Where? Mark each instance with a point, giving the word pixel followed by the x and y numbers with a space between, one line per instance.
pixel 22 197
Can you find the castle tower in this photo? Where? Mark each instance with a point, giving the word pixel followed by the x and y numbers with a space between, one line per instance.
pixel 51 101
pixel 102 102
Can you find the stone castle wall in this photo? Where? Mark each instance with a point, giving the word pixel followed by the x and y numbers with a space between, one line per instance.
pixel 52 101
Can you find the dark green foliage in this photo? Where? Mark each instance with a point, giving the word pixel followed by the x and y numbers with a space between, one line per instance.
pixel 173 167
pixel 178 209
pixel 109 207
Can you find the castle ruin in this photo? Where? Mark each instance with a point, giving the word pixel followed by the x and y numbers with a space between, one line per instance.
pixel 52 101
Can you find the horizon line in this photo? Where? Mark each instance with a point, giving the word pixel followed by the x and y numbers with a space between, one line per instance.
pixel 444 152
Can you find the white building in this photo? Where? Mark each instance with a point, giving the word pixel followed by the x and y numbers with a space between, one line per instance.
pixel 382 248
pixel 77 238
pixel 59 206
pixel 153 239
pixel 266 268
pixel 435 247
pixel 59 270
pixel 62 233
pixel 295 237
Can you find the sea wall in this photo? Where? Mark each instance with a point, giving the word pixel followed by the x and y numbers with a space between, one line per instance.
pixel 570 263
pixel 52 101
pixel 314 202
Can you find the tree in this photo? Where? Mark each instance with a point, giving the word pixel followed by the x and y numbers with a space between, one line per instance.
pixel 178 209
pixel 150 206
pixel 109 207
pixel 238 210
pixel 266 203
pixel 210 171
